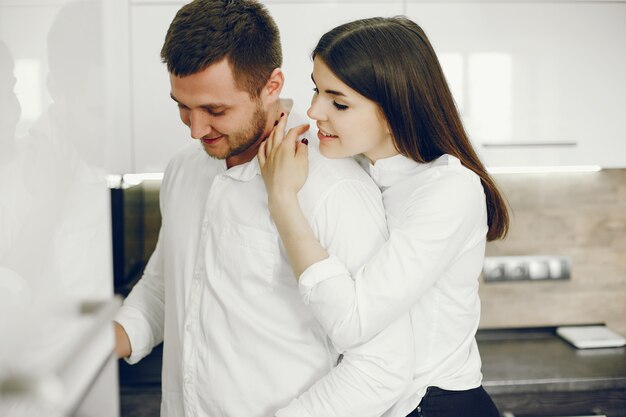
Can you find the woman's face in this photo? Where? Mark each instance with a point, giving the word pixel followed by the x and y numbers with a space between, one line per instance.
pixel 348 123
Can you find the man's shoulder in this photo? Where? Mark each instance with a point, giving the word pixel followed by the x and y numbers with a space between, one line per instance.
pixel 330 170
pixel 329 176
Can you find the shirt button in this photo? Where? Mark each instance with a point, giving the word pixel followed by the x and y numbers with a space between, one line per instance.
pixel 188 327
pixel 187 380
pixel 196 276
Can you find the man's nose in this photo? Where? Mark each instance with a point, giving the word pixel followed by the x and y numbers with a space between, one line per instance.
pixel 200 125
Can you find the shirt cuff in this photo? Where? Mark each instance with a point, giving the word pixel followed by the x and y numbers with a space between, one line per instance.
pixel 135 326
pixel 320 272
pixel 294 409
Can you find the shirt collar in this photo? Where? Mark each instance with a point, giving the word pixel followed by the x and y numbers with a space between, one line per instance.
pixel 243 172
pixel 388 171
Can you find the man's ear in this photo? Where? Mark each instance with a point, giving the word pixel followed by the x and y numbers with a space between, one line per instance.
pixel 273 87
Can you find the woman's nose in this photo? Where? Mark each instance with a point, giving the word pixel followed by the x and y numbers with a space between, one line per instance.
pixel 314 111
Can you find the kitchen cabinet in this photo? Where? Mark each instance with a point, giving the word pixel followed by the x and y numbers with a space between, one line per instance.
pixel 532 372
pixel 537 83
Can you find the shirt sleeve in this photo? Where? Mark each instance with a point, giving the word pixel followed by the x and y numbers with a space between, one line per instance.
pixel 374 375
pixel 441 219
pixel 142 314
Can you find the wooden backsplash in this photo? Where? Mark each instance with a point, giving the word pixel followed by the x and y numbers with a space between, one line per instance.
pixel 580 215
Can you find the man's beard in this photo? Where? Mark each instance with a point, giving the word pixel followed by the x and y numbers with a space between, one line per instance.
pixel 244 139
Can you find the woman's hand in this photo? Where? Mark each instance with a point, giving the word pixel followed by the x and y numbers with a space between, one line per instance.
pixel 284 161
pixel 284 165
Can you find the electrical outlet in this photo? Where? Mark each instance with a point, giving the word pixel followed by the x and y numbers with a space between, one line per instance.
pixel 526 268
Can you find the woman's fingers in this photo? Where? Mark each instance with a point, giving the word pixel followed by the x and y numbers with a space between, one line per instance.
pixel 283 159
pixel 291 139
pixel 279 131
pixel 302 146
pixel 293 134
pixel 261 154
pixel 268 143
pixel 278 137
pixel 302 150
pixel 275 137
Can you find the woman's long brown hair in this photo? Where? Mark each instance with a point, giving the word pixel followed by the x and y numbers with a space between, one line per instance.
pixel 391 62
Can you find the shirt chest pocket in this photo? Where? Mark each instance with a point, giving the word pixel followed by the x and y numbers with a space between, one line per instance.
pixel 247 258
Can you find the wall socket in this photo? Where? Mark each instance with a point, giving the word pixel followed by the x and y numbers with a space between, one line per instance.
pixel 526 268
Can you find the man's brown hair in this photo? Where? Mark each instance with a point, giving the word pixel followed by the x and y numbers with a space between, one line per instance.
pixel 204 32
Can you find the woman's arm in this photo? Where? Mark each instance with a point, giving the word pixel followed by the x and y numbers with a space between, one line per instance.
pixel 441 217
pixel 284 165
pixel 348 218
pixel 444 227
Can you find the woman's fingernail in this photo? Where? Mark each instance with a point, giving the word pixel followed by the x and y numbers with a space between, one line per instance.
pixel 282 114
pixel 276 122
pixel 305 141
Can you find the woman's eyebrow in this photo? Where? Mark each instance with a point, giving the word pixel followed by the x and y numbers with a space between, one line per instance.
pixel 331 92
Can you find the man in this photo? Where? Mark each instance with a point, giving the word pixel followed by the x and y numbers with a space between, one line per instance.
pixel 219 289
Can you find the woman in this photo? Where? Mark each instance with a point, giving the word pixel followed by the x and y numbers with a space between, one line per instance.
pixel 380 93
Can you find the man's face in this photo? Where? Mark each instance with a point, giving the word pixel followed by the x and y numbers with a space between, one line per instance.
pixel 224 118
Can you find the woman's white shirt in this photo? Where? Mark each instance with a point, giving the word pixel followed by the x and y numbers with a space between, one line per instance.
pixel 430 266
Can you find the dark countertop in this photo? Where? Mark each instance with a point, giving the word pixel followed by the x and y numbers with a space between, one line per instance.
pixel 537 360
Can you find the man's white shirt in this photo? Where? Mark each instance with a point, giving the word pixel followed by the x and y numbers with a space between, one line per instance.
pixel 239 341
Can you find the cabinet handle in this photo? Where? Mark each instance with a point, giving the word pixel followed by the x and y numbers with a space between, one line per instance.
pixel 530 145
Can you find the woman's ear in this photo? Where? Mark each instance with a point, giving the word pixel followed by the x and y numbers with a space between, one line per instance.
pixel 383 119
pixel 272 89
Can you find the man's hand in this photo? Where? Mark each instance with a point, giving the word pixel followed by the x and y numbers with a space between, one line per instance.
pixel 122 342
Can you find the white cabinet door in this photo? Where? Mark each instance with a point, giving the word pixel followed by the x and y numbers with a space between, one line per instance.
pixel 537 83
